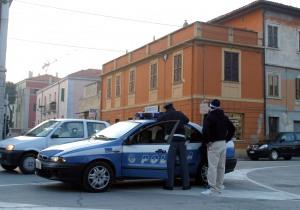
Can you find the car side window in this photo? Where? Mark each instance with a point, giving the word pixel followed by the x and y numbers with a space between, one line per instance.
pixel 94 127
pixel 70 130
pixel 193 135
pixel 288 137
pixel 156 134
pixel 297 136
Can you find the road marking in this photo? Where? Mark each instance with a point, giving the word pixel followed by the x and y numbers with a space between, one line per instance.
pixel 275 194
pixel 30 183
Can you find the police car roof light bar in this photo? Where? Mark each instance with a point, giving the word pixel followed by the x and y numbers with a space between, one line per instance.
pixel 147 115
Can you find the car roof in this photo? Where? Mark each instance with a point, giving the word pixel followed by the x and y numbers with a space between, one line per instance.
pixel 74 119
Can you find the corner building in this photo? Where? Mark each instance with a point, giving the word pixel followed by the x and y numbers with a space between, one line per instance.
pixel 278 26
pixel 190 67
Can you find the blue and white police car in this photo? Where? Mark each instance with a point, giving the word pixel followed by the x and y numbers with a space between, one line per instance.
pixel 134 149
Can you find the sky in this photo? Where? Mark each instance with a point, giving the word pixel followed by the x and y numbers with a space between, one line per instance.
pixel 64 36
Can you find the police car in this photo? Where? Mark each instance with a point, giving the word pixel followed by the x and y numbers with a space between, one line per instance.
pixel 134 149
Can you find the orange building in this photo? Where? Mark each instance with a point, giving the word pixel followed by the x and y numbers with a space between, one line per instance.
pixel 189 67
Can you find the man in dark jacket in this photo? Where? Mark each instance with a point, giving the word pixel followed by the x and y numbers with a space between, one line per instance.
pixel 217 130
pixel 177 146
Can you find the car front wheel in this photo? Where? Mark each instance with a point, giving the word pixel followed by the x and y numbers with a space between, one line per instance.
pixel 274 155
pixel 97 177
pixel 8 167
pixel 27 163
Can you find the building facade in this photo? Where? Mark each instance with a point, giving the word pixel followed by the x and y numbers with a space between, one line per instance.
pixel 190 67
pixel 25 104
pixel 89 103
pixel 4 14
pixel 62 99
pixel 278 26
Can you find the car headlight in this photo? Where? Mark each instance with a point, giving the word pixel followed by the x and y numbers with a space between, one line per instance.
pixel 264 146
pixel 57 159
pixel 10 147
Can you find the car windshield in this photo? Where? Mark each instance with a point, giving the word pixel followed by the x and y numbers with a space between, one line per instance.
pixel 43 129
pixel 115 131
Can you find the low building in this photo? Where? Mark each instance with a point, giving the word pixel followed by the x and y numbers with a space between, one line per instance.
pixel 62 99
pixel 89 103
pixel 25 104
pixel 190 67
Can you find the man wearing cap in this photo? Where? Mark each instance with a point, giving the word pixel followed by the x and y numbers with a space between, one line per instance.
pixel 177 146
pixel 217 130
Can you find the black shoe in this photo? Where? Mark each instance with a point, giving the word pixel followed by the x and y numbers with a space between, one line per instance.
pixel 167 187
pixel 186 188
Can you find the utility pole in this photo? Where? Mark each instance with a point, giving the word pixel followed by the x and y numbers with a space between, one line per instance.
pixel 4 11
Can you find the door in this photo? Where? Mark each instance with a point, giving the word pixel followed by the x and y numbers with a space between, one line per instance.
pixel 145 152
pixel 67 132
pixel 287 144
pixel 297 142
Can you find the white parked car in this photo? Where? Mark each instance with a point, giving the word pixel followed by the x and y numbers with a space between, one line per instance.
pixel 22 150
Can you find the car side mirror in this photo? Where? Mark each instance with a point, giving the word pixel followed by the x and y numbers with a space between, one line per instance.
pixel 55 136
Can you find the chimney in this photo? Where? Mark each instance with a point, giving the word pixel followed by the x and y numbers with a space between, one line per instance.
pixel 50 80
pixel 185 24
pixel 30 74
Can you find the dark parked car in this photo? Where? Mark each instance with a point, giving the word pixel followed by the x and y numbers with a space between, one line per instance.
pixel 286 145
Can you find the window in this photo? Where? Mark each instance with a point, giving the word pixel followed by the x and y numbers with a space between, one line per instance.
pixel 94 128
pixel 297 81
pixel 62 96
pixel 108 88
pixel 273 85
pixel 153 76
pixel 272 36
pixel 231 66
pixel 118 86
pixel 288 137
pixel 273 127
pixel 131 82
pixel 156 134
pixel 177 68
pixel 34 108
pixel 70 130
pixel 193 135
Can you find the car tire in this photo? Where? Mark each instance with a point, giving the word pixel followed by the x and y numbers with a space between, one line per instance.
pixel 9 167
pixel 287 157
pixel 273 155
pixel 27 163
pixel 202 174
pixel 97 177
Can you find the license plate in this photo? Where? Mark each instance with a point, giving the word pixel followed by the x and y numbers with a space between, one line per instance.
pixel 38 164
pixel 251 152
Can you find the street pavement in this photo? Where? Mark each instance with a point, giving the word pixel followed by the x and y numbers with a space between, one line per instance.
pixel 253 185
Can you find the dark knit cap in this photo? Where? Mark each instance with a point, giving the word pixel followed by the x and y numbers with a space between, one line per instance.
pixel 215 104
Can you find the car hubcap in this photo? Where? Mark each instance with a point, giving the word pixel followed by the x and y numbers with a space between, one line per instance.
pixel 274 155
pixel 98 177
pixel 29 163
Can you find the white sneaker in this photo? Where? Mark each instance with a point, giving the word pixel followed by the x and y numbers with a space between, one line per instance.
pixel 210 192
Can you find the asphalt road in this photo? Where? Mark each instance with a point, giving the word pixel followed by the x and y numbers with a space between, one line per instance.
pixel 254 185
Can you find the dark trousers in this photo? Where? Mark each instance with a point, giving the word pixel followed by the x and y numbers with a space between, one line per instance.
pixel 177 147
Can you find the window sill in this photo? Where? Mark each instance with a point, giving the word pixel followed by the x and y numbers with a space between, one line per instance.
pixel 273 48
pixel 231 82
pixel 274 97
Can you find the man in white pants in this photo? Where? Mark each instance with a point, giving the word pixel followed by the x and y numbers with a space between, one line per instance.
pixel 217 130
